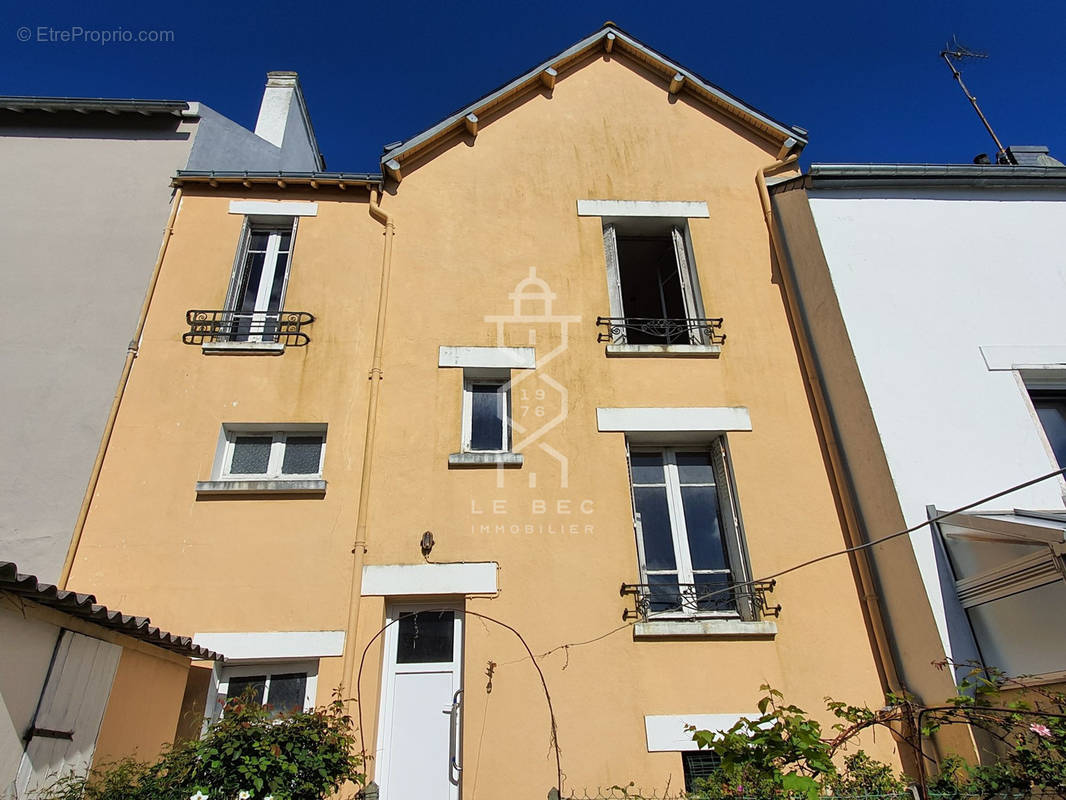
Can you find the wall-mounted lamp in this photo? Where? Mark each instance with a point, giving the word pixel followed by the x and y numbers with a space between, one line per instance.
pixel 427 543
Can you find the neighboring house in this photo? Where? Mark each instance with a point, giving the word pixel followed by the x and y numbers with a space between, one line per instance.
pixel 81 684
pixel 932 298
pixel 86 197
pixel 539 374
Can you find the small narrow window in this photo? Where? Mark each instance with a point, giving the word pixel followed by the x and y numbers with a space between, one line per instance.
pixel 699 766
pixel 486 414
pixel 256 296
pixel 280 454
pixel 281 687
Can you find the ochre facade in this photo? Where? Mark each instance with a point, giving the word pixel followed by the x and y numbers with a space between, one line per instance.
pixel 474 218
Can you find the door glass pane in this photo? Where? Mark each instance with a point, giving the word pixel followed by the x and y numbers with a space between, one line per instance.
pixel 695 467
pixel 705 545
pixel 278 282
pixel 655 525
pixel 287 692
pixel 486 416
pixel 303 455
pixel 284 239
pixel 647 467
pixel 425 636
pixel 256 684
pixel 251 455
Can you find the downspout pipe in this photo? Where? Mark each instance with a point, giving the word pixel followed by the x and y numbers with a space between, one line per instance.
pixel 375 376
pixel 109 426
pixel 867 579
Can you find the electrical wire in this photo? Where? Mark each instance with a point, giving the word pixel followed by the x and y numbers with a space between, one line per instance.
pixel 846 551
pixel 554 742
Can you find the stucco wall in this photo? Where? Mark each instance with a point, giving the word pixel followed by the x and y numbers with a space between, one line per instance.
pixel 81 233
pixel 142 711
pixel 924 280
pixel 471 224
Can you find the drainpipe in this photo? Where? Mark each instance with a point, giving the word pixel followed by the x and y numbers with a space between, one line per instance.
pixel 852 528
pixel 109 426
pixel 375 376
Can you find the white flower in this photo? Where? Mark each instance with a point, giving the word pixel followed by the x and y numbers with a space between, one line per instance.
pixel 269 797
pixel 243 795
pixel 198 796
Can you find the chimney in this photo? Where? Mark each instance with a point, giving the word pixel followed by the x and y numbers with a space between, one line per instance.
pixel 1028 155
pixel 278 97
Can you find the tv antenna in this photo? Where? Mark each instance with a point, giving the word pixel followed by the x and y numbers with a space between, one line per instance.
pixel 953 53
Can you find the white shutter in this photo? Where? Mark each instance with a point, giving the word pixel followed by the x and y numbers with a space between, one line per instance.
pixel 638 530
pixel 683 274
pixel 730 522
pixel 70 710
pixel 614 276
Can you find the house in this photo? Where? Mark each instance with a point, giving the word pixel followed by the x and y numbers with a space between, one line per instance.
pixel 86 198
pixel 931 299
pixel 502 441
pixel 81 684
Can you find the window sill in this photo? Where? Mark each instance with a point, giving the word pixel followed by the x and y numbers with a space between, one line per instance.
pixel 699 350
pixel 485 460
pixel 705 629
pixel 243 348
pixel 260 487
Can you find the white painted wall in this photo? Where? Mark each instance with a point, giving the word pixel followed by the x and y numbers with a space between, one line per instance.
pixel 25 651
pixel 924 281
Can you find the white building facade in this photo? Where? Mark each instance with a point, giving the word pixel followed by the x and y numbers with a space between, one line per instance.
pixel 933 302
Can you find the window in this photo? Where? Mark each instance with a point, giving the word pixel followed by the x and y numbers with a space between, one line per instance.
pixel 266 455
pixel 1050 407
pixel 653 288
pixel 688 537
pixel 486 411
pixel 260 275
pixel 1008 572
pixel 284 687
pixel 698 765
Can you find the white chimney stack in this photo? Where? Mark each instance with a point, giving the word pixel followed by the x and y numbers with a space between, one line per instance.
pixel 278 98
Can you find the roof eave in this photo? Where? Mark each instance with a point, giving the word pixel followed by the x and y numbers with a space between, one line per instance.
pixel 86 105
pixel 280 179
pixel 927 176
pixel 608 37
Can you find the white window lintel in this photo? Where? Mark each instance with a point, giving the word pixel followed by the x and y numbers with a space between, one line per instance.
pixel 666 732
pixel 273 208
pixel 396 580
pixel 674 420
pixel 273 645
pixel 1037 356
pixel 488 357
pixel 643 208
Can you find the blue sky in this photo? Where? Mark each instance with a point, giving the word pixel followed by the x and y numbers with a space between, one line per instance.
pixel 863 77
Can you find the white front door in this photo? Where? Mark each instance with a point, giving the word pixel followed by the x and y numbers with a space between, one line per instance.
pixel 69 712
pixel 419 731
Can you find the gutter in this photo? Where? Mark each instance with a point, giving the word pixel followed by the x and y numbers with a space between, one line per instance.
pixel 375 376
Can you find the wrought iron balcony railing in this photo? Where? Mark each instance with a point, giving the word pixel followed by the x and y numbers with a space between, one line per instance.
pixel 695 600
pixel 283 327
pixel 650 330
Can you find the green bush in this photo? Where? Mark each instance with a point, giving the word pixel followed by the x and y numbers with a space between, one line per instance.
pixel 248 754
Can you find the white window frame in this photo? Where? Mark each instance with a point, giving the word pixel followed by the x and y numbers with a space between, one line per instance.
pixel 729 517
pixel 279 437
pixel 220 687
pixel 486 377
pixel 686 270
pixel 274 227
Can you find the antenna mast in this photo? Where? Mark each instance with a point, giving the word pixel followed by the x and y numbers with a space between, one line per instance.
pixel 956 52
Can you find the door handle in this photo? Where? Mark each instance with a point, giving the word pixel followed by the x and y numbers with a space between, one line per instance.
pixel 453 735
